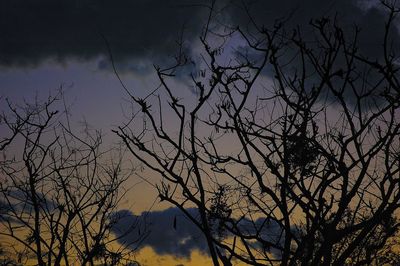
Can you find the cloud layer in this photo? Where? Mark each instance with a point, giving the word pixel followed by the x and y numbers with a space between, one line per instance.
pixel 369 16
pixel 37 30
pixel 169 232
pixel 143 32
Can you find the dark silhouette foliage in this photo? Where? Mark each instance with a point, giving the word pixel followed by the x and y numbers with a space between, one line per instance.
pixel 289 147
pixel 58 190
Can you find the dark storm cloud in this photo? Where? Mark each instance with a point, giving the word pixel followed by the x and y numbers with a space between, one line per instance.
pixel 169 232
pixel 33 31
pixel 143 32
pixel 368 15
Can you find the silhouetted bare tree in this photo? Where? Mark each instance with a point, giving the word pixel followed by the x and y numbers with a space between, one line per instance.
pixel 58 191
pixel 290 149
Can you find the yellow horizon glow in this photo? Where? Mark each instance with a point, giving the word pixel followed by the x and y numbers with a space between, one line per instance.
pixel 148 257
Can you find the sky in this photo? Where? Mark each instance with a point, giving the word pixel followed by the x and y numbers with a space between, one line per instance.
pixel 46 45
